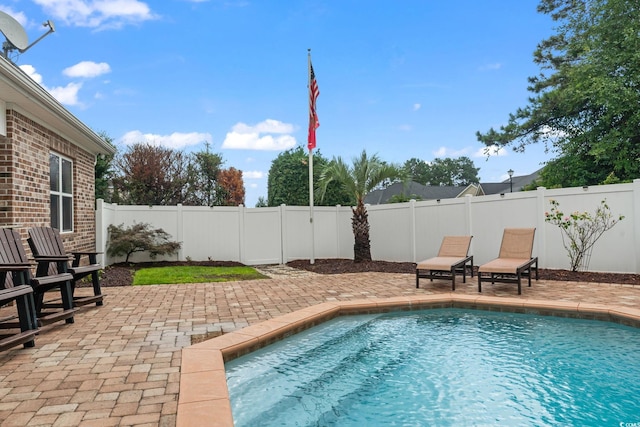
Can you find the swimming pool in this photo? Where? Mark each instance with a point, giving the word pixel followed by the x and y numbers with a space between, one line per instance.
pixel 444 367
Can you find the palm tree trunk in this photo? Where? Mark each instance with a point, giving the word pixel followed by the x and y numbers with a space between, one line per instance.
pixel 360 225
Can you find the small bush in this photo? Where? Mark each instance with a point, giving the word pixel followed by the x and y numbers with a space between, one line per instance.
pixel 581 230
pixel 140 237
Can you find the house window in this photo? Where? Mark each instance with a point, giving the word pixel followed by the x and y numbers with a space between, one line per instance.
pixel 61 177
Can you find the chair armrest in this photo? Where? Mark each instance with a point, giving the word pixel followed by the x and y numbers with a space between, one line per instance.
pixel 52 258
pixel 77 256
pixel 15 267
pixel 464 261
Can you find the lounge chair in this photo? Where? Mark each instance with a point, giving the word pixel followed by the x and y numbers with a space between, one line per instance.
pixel 48 250
pixel 452 257
pixel 13 258
pixel 514 259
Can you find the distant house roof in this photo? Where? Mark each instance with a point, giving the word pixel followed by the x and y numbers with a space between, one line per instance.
pixel 419 191
pixel 433 192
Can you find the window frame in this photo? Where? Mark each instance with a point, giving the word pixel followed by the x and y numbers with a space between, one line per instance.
pixel 63 193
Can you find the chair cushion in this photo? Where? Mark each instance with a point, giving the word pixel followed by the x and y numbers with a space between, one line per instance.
pixel 439 263
pixel 504 265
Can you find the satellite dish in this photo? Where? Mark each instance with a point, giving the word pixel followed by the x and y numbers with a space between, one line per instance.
pixel 16 36
pixel 14 33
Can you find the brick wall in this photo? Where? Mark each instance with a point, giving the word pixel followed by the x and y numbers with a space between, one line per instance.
pixel 24 181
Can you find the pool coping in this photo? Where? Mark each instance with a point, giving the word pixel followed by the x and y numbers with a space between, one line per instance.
pixel 204 397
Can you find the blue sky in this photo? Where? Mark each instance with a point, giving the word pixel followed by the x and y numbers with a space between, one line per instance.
pixel 401 78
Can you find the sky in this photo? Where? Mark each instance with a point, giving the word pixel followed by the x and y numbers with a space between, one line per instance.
pixel 398 78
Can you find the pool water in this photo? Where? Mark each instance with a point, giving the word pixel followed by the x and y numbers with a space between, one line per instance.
pixel 445 367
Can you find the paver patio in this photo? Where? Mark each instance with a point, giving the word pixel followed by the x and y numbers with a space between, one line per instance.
pixel 120 364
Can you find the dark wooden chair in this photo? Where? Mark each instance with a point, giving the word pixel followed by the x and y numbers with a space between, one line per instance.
pixel 13 258
pixel 23 331
pixel 48 250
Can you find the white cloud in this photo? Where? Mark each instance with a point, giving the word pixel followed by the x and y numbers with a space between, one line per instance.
pixel 253 174
pixel 491 67
pixel 549 132
pixel 18 16
pixel 175 140
pixel 449 152
pixel 252 185
pixel 97 13
pixel 67 95
pixel 31 72
pixel 245 137
pixel 416 107
pixel 87 69
pixel 267 126
pixel 494 150
pixel 405 128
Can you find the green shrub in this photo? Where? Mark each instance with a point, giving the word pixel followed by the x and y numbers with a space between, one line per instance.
pixel 140 237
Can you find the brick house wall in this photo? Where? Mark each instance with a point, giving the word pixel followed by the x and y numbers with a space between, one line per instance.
pixel 24 181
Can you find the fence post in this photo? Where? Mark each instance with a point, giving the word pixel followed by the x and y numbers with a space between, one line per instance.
pixel 636 218
pixel 467 215
pixel 100 238
pixel 180 231
pixel 283 233
pixel 412 214
pixel 241 251
pixel 541 235
pixel 337 218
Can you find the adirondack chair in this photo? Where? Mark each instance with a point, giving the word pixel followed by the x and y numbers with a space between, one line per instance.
pixel 48 250
pixel 13 258
pixel 23 331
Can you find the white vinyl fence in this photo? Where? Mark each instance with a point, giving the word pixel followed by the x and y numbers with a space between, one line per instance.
pixel 399 232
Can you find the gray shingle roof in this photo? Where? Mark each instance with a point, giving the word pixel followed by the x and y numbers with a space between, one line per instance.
pixel 433 192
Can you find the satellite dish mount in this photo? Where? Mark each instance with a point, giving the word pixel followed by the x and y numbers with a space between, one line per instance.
pixel 16 36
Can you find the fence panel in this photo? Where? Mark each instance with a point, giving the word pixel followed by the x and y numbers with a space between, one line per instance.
pixel 261 239
pixel 434 220
pixel 391 232
pixel 164 217
pixel 490 215
pixel 211 233
pixel 614 252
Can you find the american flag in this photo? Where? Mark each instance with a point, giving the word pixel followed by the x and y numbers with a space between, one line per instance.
pixel 314 92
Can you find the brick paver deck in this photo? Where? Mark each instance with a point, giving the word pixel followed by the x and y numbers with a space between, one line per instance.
pixel 120 364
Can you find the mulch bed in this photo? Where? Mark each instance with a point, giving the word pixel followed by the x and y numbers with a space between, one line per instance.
pixel 122 274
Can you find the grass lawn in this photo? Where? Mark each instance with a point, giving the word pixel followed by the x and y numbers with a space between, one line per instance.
pixel 193 274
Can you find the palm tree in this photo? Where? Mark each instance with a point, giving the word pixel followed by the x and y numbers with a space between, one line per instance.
pixel 362 177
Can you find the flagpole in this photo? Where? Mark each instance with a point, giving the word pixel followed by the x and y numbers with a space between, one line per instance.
pixel 312 258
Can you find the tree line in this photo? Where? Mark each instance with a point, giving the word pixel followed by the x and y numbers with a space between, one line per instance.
pixel 288 181
pixel 146 174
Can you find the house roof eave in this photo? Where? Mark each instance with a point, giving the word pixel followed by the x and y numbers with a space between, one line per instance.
pixel 21 93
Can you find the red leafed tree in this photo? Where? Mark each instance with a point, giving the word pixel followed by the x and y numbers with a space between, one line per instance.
pixel 231 187
pixel 151 175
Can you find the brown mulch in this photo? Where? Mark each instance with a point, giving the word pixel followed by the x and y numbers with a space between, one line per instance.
pixel 122 274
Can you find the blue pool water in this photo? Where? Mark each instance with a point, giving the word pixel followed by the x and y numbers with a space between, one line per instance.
pixel 443 367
